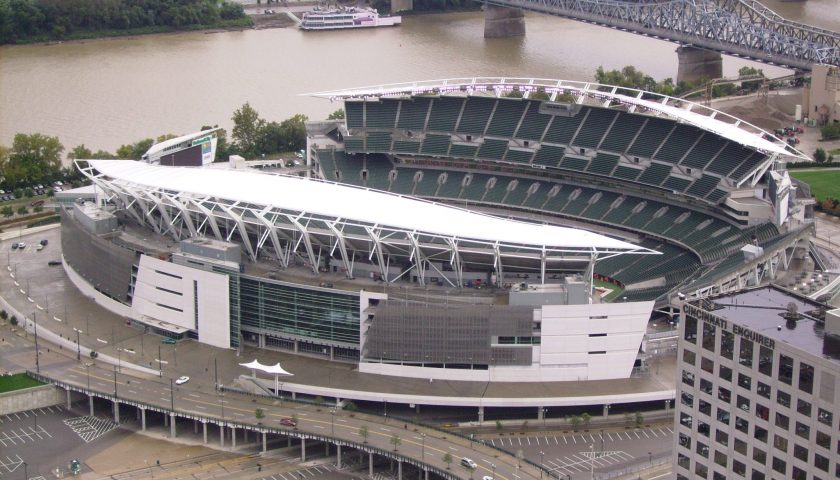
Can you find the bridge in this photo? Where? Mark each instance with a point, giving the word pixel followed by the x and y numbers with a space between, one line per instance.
pixel 704 29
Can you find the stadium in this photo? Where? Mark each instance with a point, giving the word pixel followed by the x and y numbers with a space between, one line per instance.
pixel 450 230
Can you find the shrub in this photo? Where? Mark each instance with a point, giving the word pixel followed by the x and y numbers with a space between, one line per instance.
pixel 13 321
pixel 4 315
pixel 819 155
pixel 93 354
pixel 831 131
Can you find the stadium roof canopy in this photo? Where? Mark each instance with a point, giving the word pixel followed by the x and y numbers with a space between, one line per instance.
pixel 288 213
pixel 633 100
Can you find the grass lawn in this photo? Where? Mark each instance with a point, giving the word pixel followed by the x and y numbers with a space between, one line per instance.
pixel 616 290
pixel 825 183
pixel 20 381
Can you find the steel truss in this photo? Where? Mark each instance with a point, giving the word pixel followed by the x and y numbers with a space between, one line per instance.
pixel 744 28
pixel 267 231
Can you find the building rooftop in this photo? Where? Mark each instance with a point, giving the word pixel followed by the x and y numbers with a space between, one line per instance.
pixel 760 310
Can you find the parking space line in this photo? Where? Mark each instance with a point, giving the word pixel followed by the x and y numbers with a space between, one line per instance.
pixel 529 440
pixel 645 433
pixel 520 441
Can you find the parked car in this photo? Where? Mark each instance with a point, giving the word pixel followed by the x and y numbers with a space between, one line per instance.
pixel 168 341
pixel 44 242
pixel 39 247
pixel 54 263
pixel 14 246
pixel 21 245
pixel 182 380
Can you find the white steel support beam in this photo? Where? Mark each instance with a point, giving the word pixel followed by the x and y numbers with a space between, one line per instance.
pixel 418 257
pixel 185 214
pixel 342 247
pixel 307 242
pixel 211 219
pixel 243 232
pixel 147 212
pixel 497 263
pixel 373 233
pixel 164 215
pixel 282 253
pixel 455 261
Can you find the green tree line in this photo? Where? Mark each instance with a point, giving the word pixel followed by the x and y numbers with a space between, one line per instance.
pixel 36 20
pixel 630 77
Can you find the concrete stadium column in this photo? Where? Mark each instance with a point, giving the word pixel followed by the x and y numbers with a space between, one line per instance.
pixel 540 413
pixel 401 5
pixel 166 420
pixel 399 470
pixel 116 412
pixel 288 441
pixel 222 435
pixel 338 456
pixel 426 474
pixel 606 410
pixel 302 449
pixel 502 22
pixel 233 437
pixel 696 63
pixel 68 399
pixel 481 414
pixel 326 449
pixel 195 426
pixel 265 442
pixel 370 464
pixel 143 419
pixel 204 427
pixel 172 423
pixel 90 402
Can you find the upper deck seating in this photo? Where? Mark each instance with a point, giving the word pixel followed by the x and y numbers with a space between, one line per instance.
pixel 413 113
pixel 506 117
pixel 650 137
pixel 596 124
pixel 681 140
pixel 476 114
pixel 381 114
pixel 444 114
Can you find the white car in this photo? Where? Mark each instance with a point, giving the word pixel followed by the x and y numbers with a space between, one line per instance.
pixel 487 477
pixel 182 380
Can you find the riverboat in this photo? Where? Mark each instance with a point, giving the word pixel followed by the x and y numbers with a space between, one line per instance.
pixel 346 17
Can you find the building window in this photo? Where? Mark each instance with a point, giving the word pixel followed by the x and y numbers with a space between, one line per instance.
pixel 722 438
pixel 701 470
pixel 803 430
pixel 721 459
pixel 685 441
pixel 739 468
pixel 763 389
pixel 725 373
pixel 740 445
pixel 785 369
pixel 823 440
pixel 703 449
pixel 779 465
pixel 690 334
pixel 718 475
pixel 723 416
pixel 762 412
pixel 806 377
pixel 760 434
pixel 705 386
pixel 825 417
pixel 707 365
pixel 799 474
pixel 782 421
pixel 765 361
pixel 743 403
pixel 800 452
pixel 683 461
pixel 742 425
pixel 685 420
pixel 687 399
pixel 688 378
pixel 783 398
pixel 744 381
pixel 780 443
pixel 727 344
pixel 757 475
pixel 703 429
pixel 689 357
pixel 724 394
pixel 803 407
pixel 745 356
pixel 759 456
pixel 709 334
pixel 705 408
pixel 821 462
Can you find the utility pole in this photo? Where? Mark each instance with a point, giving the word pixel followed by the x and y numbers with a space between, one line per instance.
pixel 172 395
pixel 78 347
pixel 216 372
pixel 37 361
pixel 115 381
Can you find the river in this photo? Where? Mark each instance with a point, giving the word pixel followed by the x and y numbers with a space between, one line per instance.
pixel 104 93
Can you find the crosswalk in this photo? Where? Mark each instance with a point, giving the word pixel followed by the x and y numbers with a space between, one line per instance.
pixel 580 438
pixel 89 428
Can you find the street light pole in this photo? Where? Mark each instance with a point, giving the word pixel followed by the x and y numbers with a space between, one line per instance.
pixel 542 467
pixel 87 368
pixel 78 347
pixel 37 353
pixel 332 421
pixel 115 381
pixel 423 440
pixel 216 375
pixel 172 395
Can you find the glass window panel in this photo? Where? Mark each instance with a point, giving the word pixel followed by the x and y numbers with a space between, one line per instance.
pixel 763 389
pixel 689 357
pixel 765 361
pixel 825 417
pixel 803 407
pixel 707 365
pixel 760 434
pixel 725 373
pixel 785 369
pixel 800 452
pixel 690 334
pixel 783 398
pixel 803 430
pixel 745 355
pixel 724 394
pixel 806 377
pixel 727 344
pixel 780 442
pixel 782 421
pixel 709 336
pixel 742 425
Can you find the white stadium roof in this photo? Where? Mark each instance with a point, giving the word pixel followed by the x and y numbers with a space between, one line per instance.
pixel 681 110
pixel 336 201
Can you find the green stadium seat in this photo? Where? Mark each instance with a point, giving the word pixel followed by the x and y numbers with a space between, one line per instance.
pixel 676 184
pixel 492 149
pixel 622 132
pixel 655 174
pixel 413 113
pixel 602 164
pixel 549 155
pixel 520 156
pixel 562 129
pixel 463 151
pixel 405 146
pixel 476 114
pixel 678 144
pixel 444 114
pixel 650 137
pixel 594 127
pixel 437 145
pixel 704 151
pixel 506 117
pixel 354 113
pixel 702 186
pixel 534 123
pixel 381 114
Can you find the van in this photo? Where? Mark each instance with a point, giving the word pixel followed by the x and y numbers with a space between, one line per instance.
pixel 469 463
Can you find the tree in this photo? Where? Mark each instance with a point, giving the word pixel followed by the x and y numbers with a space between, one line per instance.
pixel 134 151
pixel 337 115
pixel 22 210
pixel 585 418
pixel 519 456
pixel 820 155
pixel 32 158
pixel 396 441
pixel 246 129
pixel 259 414
pixel 752 85
pixel 79 152
pixel 38 208
pixel 640 419
pixel 363 432
pixel 498 425
pixel 831 131
pixel 4 315
pixel 7 211
pixel 294 132
pixel 447 459
pixel 270 139
pixel 574 421
pixel 13 321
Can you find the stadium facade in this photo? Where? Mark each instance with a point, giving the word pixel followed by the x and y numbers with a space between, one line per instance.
pixel 758 394
pixel 447 230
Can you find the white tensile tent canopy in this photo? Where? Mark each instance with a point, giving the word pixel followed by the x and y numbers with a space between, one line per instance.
pixel 275 370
